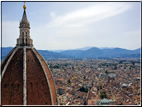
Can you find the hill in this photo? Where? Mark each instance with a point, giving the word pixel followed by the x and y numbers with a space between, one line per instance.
pixel 103 53
pixel 45 53
pixel 87 53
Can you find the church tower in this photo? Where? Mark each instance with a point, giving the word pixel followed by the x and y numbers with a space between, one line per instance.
pixel 26 78
pixel 24 38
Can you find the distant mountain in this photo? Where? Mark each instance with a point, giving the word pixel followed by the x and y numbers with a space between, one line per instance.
pixel 104 53
pixel 93 52
pixel 5 51
pixel 48 54
pixel 45 53
pixel 58 51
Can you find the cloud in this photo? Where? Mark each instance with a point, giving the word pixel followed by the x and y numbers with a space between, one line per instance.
pixel 90 14
pixel 77 29
pixel 10 32
pixel 52 14
pixel 71 29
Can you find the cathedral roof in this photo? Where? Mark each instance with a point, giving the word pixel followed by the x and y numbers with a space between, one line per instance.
pixel 26 78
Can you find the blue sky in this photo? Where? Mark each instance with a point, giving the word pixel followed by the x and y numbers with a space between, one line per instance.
pixel 71 25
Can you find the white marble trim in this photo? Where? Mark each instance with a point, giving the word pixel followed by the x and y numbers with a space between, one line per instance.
pixel 45 75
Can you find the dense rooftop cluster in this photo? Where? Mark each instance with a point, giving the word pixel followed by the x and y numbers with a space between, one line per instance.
pixel 97 81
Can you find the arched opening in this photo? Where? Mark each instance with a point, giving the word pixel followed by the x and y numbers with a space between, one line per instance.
pixel 31 84
pixel 26 34
pixel 5 85
pixel 26 40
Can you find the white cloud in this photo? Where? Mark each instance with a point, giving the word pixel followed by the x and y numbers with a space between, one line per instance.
pixel 71 30
pixel 10 32
pixel 90 14
pixel 52 14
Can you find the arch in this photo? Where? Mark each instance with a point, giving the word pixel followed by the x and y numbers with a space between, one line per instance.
pixel 22 33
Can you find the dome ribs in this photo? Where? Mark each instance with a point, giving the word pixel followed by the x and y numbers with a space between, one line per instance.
pixel 12 80
pixel 24 78
pixel 49 75
pixel 38 91
pixel 6 59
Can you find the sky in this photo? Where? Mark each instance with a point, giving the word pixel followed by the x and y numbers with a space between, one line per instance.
pixel 72 25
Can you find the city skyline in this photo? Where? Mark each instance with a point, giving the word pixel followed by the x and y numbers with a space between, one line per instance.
pixel 71 25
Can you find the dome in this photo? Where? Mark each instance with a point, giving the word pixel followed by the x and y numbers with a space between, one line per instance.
pixel 26 78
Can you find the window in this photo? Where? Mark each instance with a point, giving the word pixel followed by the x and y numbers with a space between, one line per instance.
pixel 31 84
pixel 23 41
pixel 26 34
pixel 28 60
pixel 12 85
pixel 18 85
pixel 5 85
pixel 26 40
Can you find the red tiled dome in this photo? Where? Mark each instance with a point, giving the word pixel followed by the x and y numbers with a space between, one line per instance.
pixel 26 78
pixel 39 84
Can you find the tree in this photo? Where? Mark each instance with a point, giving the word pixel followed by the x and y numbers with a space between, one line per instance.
pixel 120 62
pixel 83 89
pixel 133 63
pixel 69 82
pixel 103 95
pixel 85 103
pixel 115 67
pixel 84 76
pixel 106 72
pixel 100 86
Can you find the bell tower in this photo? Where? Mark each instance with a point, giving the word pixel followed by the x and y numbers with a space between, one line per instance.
pixel 24 38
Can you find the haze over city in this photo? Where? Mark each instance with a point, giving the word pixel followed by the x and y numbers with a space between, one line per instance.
pixel 71 25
